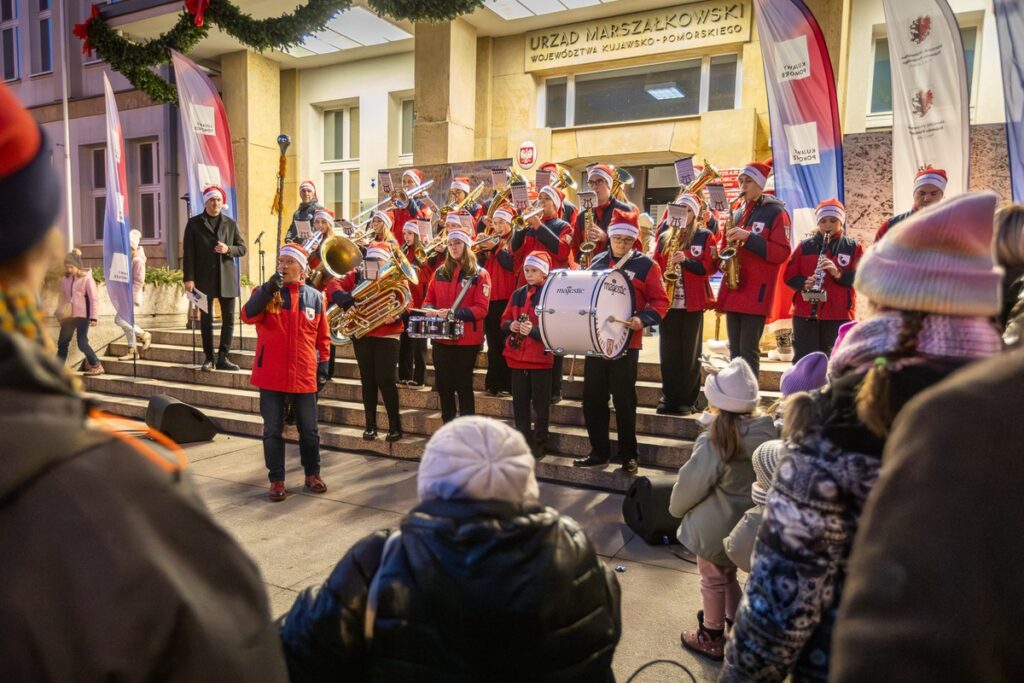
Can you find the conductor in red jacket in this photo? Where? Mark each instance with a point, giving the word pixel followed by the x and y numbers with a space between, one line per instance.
pixel 292 350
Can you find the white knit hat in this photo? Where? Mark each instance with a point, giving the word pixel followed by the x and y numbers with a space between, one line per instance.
pixel 734 388
pixel 477 458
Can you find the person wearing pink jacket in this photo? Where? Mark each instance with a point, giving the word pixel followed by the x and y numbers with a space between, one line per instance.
pixel 77 311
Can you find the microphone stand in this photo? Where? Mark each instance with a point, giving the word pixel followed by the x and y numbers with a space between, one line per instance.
pixel 261 254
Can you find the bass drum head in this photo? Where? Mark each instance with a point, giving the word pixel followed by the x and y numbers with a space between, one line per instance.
pixel 574 309
pixel 614 299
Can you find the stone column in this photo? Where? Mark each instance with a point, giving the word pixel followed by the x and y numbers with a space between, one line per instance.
pixel 445 93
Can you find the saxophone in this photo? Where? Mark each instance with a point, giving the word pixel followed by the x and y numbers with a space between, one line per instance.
pixel 730 256
pixel 674 272
pixel 587 247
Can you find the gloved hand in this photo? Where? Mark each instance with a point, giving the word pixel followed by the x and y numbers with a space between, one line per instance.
pixel 342 299
pixel 322 375
pixel 274 284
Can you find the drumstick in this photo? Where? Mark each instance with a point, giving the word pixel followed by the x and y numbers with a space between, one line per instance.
pixel 613 319
pixel 422 310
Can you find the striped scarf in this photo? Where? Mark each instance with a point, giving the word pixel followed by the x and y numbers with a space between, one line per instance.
pixel 20 313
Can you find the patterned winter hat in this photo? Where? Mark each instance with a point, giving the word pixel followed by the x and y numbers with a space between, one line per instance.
pixel 764 460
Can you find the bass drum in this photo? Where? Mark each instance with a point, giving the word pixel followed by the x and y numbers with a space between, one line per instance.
pixel 578 309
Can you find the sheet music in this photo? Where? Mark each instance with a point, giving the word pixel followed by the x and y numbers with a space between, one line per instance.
pixel 588 199
pixel 198 299
pixel 684 171
pixel 304 229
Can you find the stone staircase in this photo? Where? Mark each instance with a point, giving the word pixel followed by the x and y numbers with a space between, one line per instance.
pixel 227 397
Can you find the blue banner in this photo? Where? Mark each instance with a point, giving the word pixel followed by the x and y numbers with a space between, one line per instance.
pixel 1009 23
pixel 117 259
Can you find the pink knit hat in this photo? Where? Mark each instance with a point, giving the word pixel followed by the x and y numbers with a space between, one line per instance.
pixel 938 261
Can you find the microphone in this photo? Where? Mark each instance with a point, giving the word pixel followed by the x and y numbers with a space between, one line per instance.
pixel 258 237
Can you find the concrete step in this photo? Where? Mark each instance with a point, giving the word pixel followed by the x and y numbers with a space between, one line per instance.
pixel 554 468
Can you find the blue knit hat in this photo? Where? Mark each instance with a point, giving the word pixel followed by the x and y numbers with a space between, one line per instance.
pixel 807 374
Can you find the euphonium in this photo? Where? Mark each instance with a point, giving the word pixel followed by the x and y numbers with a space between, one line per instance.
pixel 621 181
pixel 502 196
pixel 563 179
pixel 730 256
pixel 376 301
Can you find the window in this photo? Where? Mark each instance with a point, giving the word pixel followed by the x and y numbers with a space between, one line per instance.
pixel 881 82
pixel 144 188
pixel 95 174
pixel 42 47
pixel 341 134
pixel 10 49
pixel 686 88
pixel 408 121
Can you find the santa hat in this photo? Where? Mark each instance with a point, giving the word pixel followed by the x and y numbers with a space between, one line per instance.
pixel 25 172
pixel 556 195
pixel 937 261
pixel 214 191
pixel 461 183
pixel 691 201
pixel 601 171
pixel 505 213
pixel 453 219
pixel 548 166
pixel 477 458
pixel 412 226
pixel 830 208
pixel 415 174
pixel 384 216
pixel 624 223
pixel 758 172
pixel 931 176
pixel 325 215
pixel 297 252
pixel 459 234
pixel 540 260
pixel 307 185
pixel 378 250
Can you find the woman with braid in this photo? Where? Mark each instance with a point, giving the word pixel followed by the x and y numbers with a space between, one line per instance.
pixel 120 572
pixel 932 287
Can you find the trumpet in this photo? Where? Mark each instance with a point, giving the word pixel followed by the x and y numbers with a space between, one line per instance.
pixel 376 301
pixel 399 199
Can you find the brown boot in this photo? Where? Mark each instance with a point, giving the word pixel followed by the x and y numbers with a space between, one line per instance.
pixel 133 354
pixel 277 492
pixel 315 484
pixel 703 641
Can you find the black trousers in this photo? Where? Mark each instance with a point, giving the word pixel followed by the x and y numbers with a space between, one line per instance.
pixel 556 376
pixel 531 387
pixel 272 412
pixel 745 332
pixel 681 333
pixel 814 335
pixel 497 369
pixel 332 361
pixel 602 377
pixel 453 366
pixel 227 327
pixel 412 359
pixel 377 358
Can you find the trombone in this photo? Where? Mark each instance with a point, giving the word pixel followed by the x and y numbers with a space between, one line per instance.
pixel 458 206
pixel 399 199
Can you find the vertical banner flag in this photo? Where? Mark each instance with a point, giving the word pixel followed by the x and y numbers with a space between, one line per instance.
pixel 116 248
pixel 931 121
pixel 1009 23
pixel 807 143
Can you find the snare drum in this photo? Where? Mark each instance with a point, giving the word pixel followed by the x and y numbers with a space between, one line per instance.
pixel 422 327
pixel 576 311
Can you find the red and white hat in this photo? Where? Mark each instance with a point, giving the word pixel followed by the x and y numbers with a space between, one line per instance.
pixel 415 174
pixel 384 216
pixel 624 223
pixel 460 183
pixel 548 166
pixel 540 260
pixel 556 195
pixel 307 185
pixel 831 208
pixel 412 226
pixel 601 171
pixel 459 234
pixel 297 252
pixel 931 176
pixel 214 191
pixel 758 172
pixel 505 213
pixel 691 201
pixel 453 219
pixel 378 250
pixel 324 214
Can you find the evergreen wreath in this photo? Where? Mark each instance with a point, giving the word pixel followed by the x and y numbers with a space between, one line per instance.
pixel 136 61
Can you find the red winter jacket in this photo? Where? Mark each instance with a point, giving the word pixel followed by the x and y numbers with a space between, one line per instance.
pixel 761 257
pixel 419 290
pixel 500 265
pixel 651 303
pixel 840 296
pixel 553 236
pixel 290 343
pixel 530 355
pixel 338 292
pixel 892 222
pixel 414 210
pixel 441 293
pixel 696 268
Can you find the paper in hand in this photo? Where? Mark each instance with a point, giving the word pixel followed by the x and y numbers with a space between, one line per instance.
pixel 684 171
pixel 716 193
pixel 499 179
pixel 424 229
pixel 588 199
pixel 544 178
pixel 387 186
pixel 303 229
pixel 198 299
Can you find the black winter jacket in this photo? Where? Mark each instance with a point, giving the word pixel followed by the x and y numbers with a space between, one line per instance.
pixel 467 591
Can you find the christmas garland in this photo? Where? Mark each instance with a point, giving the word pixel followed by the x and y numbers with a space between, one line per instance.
pixel 136 61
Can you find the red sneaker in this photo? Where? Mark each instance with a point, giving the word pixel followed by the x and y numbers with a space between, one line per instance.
pixel 315 484
pixel 277 492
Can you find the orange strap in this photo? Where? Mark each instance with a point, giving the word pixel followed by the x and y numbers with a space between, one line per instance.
pixel 105 420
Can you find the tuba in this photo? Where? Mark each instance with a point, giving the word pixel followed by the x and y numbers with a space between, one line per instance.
pixel 338 255
pixel 376 301
pixel 502 196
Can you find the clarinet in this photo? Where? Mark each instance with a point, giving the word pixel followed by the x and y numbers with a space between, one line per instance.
pixel 518 337
pixel 817 287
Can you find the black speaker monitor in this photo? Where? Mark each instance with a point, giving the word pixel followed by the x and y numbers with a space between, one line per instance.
pixel 645 509
pixel 178 420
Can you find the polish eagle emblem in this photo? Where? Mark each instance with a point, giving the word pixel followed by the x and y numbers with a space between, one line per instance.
pixel 921 104
pixel 920 29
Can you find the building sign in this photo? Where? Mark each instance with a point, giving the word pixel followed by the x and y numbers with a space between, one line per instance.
pixel 684 27
pixel 527 155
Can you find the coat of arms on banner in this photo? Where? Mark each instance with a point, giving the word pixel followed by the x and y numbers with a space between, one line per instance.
pixel 844 260
pixel 920 29
pixel 922 102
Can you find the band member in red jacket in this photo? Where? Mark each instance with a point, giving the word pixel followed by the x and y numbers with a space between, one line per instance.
pixel 412 353
pixel 599 178
pixel 458 191
pixel 529 363
pixel 761 232
pixel 291 363
pixel 568 211
pixel 929 188
pixel 455 359
pixel 416 208
pixel 377 351
pixel 499 262
pixel 601 376
pixel 681 333
pixel 816 325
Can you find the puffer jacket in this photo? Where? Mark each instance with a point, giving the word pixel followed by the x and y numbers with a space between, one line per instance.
pixel 82 294
pixel 468 591
pixel 739 544
pixel 711 495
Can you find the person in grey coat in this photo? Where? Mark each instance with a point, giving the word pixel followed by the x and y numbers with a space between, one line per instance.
pixel 212 241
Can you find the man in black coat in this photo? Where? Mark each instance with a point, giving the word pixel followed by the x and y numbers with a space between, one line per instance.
pixel 308 206
pixel 212 241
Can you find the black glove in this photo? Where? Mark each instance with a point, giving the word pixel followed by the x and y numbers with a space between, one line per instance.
pixel 322 375
pixel 342 299
pixel 274 284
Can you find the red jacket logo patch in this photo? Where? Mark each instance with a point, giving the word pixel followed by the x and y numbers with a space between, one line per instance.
pixel 310 314
pixel 843 259
pixel 696 250
pixel 757 228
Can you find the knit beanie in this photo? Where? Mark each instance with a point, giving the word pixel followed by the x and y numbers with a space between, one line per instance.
pixel 25 171
pixel 477 458
pixel 807 374
pixel 733 389
pixel 764 460
pixel 939 260
pixel 74 258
